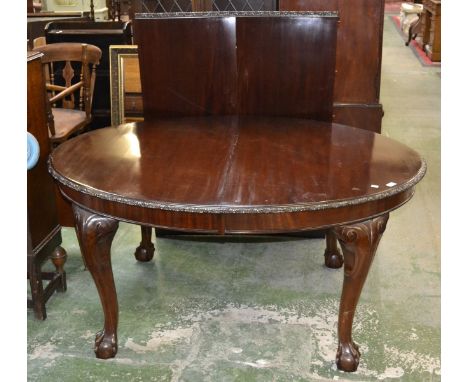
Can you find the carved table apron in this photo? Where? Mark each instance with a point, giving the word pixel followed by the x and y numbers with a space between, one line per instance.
pixel 236 175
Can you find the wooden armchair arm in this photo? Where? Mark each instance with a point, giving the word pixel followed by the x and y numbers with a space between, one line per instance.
pixel 53 87
pixel 66 92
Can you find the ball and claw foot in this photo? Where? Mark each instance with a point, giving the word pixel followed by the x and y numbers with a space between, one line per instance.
pixel 347 357
pixel 333 259
pixel 105 346
pixel 144 253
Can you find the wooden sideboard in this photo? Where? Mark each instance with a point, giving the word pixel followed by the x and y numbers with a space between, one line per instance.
pixel 430 26
pixel 38 21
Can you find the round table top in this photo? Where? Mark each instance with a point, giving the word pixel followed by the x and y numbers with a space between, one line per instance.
pixel 236 165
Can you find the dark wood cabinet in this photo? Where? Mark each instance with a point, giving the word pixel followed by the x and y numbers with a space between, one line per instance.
pixel 43 228
pixel 430 26
pixel 38 21
pixel 358 58
pixel 102 34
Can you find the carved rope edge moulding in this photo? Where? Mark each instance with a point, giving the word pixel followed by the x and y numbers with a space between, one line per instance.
pixel 236 14
pixel 237 209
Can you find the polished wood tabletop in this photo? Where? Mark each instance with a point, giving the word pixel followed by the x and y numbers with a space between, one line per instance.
pixel 236 174
pixel 233 165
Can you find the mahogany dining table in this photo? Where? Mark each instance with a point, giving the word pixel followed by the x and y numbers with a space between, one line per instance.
pixel 235 175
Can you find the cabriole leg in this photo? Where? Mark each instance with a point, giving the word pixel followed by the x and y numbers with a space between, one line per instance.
pixel 95 234
pixel 333 257
pixel 359 243
pixel 145 251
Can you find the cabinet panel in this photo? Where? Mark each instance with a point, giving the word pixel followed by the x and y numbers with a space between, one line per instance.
pixel 42 211
pixel 358 55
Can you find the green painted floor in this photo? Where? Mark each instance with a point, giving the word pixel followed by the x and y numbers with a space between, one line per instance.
pixel 251 309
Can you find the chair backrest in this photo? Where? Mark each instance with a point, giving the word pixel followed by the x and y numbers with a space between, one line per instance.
pixel 246 63
pixel 39 41
pixel 72 62
pixel 70 72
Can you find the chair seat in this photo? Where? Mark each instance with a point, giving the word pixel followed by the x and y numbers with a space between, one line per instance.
pixel 67 121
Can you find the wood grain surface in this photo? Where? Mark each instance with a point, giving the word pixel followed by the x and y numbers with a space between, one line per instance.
pixel 224 65
pixel 216 173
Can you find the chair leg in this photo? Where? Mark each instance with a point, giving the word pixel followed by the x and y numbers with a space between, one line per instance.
pixel 411 35
pixel 413 31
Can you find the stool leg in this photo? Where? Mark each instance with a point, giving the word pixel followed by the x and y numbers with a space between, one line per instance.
pixel 359 243
pixel 145 251
pixel 58 258
pixel 37 290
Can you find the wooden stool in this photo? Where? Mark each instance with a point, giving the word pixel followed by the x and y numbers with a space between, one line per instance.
pixel 58 282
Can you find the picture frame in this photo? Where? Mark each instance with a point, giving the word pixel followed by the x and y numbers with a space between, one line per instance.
pixel 125 86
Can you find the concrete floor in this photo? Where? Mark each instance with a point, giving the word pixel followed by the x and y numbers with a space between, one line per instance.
pixel 258 310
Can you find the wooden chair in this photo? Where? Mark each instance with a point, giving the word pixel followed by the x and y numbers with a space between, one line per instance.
pixel 70 70
pixel 39 41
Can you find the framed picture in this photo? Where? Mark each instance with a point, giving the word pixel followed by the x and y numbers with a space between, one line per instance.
pixel 125 84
